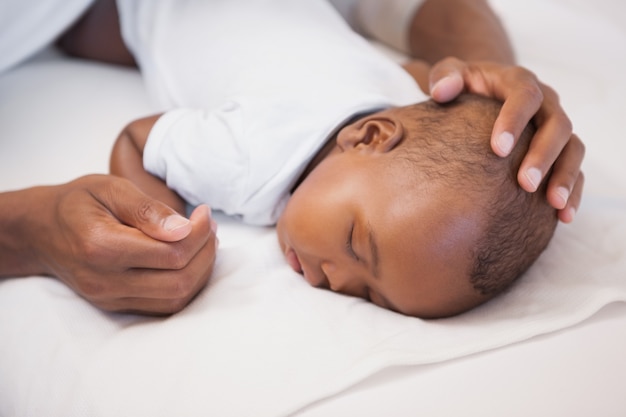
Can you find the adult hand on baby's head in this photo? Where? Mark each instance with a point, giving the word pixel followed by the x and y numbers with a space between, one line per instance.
pixel 122 250
pixel 525 98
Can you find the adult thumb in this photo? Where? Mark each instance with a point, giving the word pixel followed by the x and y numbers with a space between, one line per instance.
pixel 446 80
pixel 136 209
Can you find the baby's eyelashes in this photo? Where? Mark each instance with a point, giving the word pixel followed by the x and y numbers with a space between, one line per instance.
pixel 350 246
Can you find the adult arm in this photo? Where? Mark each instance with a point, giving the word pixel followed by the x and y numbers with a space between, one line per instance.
pixel 112 244
pixel 466 29
pixel 97 36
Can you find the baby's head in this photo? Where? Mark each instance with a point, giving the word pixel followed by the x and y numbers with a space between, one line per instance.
pixel 412 210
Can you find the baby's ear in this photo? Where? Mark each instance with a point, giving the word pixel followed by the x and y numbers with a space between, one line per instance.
pixel 378 132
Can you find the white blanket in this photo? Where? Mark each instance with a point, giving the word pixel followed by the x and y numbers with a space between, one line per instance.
pixel 258 341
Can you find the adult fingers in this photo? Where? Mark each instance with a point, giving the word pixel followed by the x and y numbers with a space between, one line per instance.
pixel 127 247
pixel 159 291
pixel 518 89
pixel 566 173
pixel 151 290
pixel 566 214
pixel 134 208
pixel 523 97
pixel 553 135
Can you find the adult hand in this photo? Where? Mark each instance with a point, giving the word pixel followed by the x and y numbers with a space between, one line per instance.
pixel 120 249
pixel 525 98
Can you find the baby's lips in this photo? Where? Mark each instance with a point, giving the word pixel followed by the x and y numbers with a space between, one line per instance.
pixel 293 261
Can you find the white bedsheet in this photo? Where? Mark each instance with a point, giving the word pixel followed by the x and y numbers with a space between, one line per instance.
pixel 258 340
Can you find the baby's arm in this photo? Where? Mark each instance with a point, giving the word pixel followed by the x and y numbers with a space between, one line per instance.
pixel 127 161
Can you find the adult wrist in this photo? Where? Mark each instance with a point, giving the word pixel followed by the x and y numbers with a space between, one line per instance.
pixel 22 227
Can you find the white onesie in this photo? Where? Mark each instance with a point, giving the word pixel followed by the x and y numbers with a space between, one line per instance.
pixel 255 88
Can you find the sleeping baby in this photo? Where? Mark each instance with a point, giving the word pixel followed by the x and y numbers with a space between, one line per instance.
pixel 375 191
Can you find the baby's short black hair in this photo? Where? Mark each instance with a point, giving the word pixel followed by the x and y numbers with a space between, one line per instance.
pixel 450 145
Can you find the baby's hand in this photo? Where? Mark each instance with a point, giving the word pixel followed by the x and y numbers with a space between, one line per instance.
pixel 525 98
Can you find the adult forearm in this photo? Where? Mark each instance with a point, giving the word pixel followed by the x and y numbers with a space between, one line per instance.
pixel 18 223
pixel 466 29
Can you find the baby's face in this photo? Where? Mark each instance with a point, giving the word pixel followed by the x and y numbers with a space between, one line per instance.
pixel 352 227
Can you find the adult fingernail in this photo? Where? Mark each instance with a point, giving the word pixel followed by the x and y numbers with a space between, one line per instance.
pixel 439 83
pixel 174 222
pixel 533 175
pixel 563 194
pixel 504 142
pixel 446 88
pixel 571 213
pixel 567 216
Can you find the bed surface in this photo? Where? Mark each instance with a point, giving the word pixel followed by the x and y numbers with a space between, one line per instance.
pixel 260 342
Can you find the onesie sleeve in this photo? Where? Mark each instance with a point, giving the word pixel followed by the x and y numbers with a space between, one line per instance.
pixel 200 155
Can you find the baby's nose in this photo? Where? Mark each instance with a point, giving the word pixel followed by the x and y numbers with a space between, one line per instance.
pixel 342 280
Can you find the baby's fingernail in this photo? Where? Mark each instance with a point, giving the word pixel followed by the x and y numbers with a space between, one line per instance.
pixel 174 222
pixel 504 142
pixel 533 175
pixel 563 194
pixel 213 225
